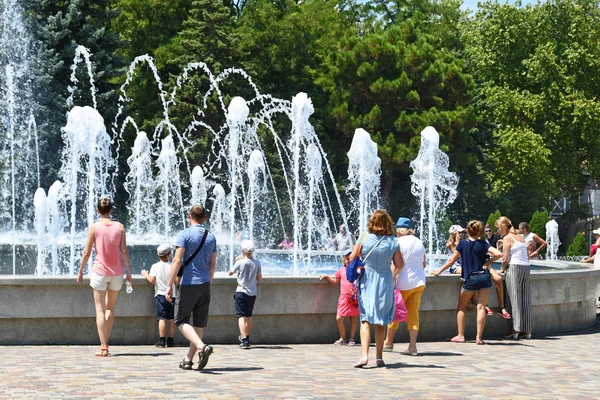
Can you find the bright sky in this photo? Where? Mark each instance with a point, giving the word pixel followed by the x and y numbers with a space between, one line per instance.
pixel 472 4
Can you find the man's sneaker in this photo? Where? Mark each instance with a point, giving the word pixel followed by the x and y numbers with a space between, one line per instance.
pixel 244 345
pixel 160 343
pixel 170 342
pixel 241 339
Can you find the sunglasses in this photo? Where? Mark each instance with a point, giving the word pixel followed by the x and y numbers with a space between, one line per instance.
pixel 488 230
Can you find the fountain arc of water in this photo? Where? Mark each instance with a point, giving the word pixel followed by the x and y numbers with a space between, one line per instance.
pixel 216 80
pixel 123 98
pixel 335 190
pixel 79 52
pixel 270 176
pixel 183 77
pixel 329 208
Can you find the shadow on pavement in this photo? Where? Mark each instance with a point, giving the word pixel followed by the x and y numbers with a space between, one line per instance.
pixel 509 343
pixel 274 347
pixel 438 354
pixel 404 365
pixel 543 337
pixel 140 354
pixel 218 371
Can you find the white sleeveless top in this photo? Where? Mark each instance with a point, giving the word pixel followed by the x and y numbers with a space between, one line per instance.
pixel 528 237
pixel 518 254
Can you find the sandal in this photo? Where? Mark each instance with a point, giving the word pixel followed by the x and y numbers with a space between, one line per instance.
pixel 186 364
pixel 379 362
pixel 351 342
pixel 479 341
pixel 488 311
pixel 361 362
pixel 504 314
pixel 340 342
pixel 387 348
pixel 204 353
pixel 457 339
pixel 102 352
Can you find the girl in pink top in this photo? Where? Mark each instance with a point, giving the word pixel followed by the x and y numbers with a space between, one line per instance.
pixel 106 278
pixel 347 303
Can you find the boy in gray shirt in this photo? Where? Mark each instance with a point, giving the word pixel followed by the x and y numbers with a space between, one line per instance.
pixel 248 274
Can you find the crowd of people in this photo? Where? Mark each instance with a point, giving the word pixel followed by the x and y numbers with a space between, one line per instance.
pixel 394 261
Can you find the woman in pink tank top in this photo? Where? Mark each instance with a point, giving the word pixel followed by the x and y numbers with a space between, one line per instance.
pixel 107 237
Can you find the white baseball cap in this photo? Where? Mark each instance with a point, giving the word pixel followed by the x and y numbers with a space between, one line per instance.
pixel 247 246
pixel 456 228
pixel 164 249
pixel 596 231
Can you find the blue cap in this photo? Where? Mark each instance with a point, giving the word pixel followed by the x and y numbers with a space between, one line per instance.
pixel 404 223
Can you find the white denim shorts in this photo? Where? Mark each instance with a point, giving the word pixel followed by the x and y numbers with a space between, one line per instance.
pixel 103 282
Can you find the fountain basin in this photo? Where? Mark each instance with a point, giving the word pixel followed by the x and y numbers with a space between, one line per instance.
pixel 55 310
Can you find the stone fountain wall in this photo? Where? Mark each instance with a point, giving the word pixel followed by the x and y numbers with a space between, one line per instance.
pixel 55 310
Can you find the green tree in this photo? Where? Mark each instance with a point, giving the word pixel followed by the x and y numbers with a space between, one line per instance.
pixel 578 247
pixel 283 45
pixel 395 78
pixel 58 28
pixel 533 66
pixel 145 25
pixel 538 222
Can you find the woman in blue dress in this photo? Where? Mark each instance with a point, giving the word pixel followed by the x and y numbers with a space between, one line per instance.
pixel 381 255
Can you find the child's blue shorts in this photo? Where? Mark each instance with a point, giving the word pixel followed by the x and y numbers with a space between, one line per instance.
pixel 164 309
pixel 244 304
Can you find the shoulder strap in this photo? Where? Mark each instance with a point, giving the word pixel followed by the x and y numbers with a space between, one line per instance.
pixel 373 248
pixel 189 260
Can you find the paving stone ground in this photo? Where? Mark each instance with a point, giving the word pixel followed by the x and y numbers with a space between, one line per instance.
pixel 551 366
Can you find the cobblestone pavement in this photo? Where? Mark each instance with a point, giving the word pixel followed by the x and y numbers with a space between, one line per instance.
pixel 561 366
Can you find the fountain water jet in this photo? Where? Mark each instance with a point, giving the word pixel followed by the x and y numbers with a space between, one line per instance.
pixel 433 185
pixel 199 189
pixel 552 239
pixel 256 170
pixel 364 173
pixel 86 163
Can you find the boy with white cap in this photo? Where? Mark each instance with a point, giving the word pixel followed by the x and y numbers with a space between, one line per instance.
pixel 248 275
pixel 165 310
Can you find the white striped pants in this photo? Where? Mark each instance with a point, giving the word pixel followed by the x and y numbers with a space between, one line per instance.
pixel 518 287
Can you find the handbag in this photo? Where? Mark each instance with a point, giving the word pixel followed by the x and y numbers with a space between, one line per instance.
pixel 356 267
pixel 400 313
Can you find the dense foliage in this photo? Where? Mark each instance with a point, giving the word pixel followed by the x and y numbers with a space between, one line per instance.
pixel 512 90
pixel 579 246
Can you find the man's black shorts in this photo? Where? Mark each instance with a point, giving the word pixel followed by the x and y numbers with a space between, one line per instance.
pixel 193 300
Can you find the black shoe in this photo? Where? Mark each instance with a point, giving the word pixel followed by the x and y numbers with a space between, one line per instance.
pixel 170 342
pixel 245 345
pixel 240 339
pixel 160 343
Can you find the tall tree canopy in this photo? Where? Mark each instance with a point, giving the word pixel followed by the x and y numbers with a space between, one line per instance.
pixel 398 76
pixel 58 28
pixel 536 68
